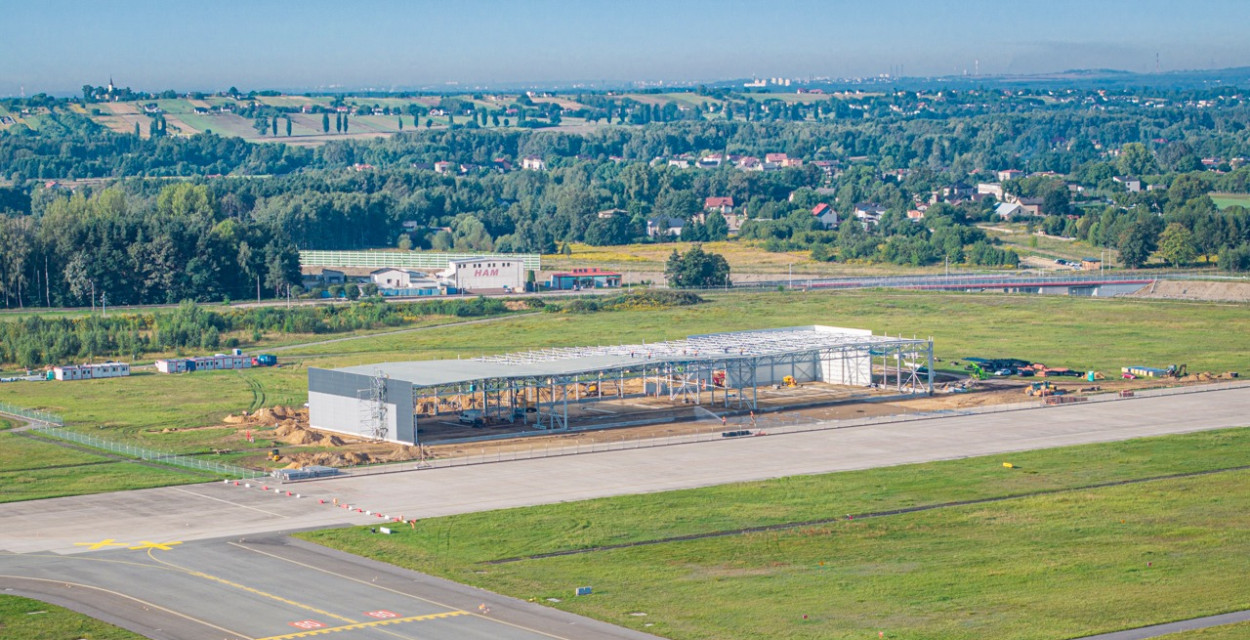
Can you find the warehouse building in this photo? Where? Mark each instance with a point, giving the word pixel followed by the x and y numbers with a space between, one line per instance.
pixel 389 401
pixel 485 274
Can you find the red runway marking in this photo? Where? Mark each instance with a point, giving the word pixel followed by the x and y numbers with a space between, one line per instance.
pixel 382 614
pixel 307 625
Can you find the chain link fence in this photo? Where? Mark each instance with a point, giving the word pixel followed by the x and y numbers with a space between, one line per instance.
pixel 31 414
pixel 149 455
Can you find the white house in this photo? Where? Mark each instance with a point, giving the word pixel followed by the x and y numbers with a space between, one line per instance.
pixel 533 163
pixel 990 189
pixel 664 225
pixel 869 213
pixel 392 278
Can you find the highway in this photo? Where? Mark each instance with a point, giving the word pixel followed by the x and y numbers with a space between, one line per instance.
pixel 209 561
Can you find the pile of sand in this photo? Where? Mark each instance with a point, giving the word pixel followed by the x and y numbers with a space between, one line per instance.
pixel 1196 290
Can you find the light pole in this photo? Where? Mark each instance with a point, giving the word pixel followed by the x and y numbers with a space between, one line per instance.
pixel 790 284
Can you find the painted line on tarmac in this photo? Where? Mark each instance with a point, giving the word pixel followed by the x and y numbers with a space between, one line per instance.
pixel 254 591
pixel 367 625
pixel 231 503
pixel 395 591
pixel 783 526
pixel 118 594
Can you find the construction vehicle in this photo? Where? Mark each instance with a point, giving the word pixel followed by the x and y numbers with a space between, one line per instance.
pixel 1177 371
pixel 789 381
pixel 975 371
pixel 718 379
pixel 1041 389
pixel 274 455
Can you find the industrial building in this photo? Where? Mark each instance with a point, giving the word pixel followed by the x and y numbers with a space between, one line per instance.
pixel 584 278
pixel 537 389
pixel 474 275
pixel 91 371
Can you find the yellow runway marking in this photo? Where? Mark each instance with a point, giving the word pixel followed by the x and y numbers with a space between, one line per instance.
pixel 406 595
pixel 163 546
pixel 93 546
pixel 126 597
pixel 263 594
pixel 367 625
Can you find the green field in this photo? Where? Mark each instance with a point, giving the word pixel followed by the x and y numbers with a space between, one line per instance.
pixel 31 469
pixel 178 413
pixel 1226 200
pixel 1088 560
pixel 25 618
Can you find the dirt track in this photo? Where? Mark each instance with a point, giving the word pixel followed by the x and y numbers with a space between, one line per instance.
pixel 1196 290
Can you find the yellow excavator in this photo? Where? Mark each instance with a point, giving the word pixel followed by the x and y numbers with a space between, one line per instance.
pixel 789 381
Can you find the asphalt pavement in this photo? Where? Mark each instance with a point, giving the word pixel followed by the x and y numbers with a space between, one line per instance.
pixel 209 561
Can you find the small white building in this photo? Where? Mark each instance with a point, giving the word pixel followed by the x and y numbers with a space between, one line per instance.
pixel 392 278
pixel 217 362
pixel 91 371
pixel 533 163
pixel 487 273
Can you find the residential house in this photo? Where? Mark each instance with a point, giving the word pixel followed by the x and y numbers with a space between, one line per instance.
pixel 1131 185
pixel 990 189
pixel 1010 174
pixel 1009 210
pixel 721 204
pixel 869 213
pixel 1091 264
pixel 915 215
pixel 442 166
pixel 734 222
pixel 533 163
pixel 710 161
pixel 664 225
pixel 611 213
pixel 750 163
pixel 1033 206
pixel 826 215
pixel 680 163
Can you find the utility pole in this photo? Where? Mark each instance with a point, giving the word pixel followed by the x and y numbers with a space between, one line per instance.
pixel 791 281
pixel 104 304
pixel 93 297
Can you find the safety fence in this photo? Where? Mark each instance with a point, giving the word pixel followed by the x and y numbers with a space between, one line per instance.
pixel 709 427
pixel 149 455
pixel 31 414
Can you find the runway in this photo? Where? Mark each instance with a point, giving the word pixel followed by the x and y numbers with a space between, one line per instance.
pixel 209 561
pixel 275 588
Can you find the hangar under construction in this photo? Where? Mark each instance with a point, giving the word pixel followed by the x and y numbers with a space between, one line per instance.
pixel 585 387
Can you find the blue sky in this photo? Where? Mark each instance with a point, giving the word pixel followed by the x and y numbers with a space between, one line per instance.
pixel 58 45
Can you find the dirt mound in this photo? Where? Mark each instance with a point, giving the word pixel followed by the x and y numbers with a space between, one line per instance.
pixel 233 419
pixel 1196 290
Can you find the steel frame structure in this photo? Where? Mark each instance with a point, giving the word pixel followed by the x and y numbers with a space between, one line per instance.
pixel 684 370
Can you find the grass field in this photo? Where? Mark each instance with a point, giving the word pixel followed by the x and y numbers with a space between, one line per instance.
pixel 26 618
pixel 178 413
pixel 1226 200
pixel 31 469
pixel 1047 247
pixel 743 258
pixel 1042 566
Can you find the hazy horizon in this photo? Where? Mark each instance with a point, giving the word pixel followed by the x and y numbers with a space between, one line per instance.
pixel 59 45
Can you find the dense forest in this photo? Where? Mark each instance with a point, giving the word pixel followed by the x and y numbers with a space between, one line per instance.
pixel 206 217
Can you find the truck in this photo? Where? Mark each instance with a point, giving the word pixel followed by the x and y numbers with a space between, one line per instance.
pixel 264 360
